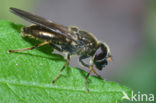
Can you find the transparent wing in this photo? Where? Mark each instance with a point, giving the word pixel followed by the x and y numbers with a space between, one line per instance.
pixel 60 29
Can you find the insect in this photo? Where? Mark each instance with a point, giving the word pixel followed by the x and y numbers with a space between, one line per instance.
pixel 69 40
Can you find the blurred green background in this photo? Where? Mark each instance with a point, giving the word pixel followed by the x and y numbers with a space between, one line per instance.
pixel 5 4
pixel 127 26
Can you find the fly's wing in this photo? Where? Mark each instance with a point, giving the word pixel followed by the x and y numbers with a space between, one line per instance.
pixel 60 29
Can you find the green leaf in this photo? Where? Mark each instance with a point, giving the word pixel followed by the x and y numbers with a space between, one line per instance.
pixel 25 77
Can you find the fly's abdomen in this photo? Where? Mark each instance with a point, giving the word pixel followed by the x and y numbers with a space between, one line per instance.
pixel 41 34
pixel 37 32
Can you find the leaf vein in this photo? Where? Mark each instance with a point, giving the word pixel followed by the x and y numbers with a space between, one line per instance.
pixel 49 86
pixel 14 92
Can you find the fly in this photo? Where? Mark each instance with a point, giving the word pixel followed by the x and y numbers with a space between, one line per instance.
pixel 69 40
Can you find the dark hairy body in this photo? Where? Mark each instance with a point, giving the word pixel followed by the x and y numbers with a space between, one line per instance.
pixel 82 47
pixel 68 40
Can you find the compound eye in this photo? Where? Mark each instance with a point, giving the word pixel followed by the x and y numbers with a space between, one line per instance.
pixel 100 53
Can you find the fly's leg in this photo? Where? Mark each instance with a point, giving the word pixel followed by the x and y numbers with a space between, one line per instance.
pixel 33 47
pixel 96 73
pixel 56 47
pixel 86 65
pixel 64 66
pixel 82 62
pixel 91 68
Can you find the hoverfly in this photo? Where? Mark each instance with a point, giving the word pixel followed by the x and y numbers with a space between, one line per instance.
pixel 69 40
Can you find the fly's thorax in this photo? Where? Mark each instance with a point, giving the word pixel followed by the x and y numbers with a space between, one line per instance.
pixel 82 36
pixel 87 42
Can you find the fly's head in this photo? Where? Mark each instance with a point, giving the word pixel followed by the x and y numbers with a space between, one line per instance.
pixel 102 56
